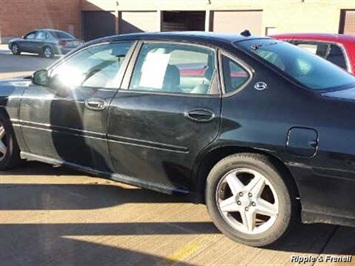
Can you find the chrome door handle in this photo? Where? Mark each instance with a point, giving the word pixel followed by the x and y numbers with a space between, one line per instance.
pixel 95 104
pixel 200 115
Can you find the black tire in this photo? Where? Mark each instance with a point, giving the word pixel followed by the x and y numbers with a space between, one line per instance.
pixel 268 193
pixel 47 52
pixel 9 150
pixel 15 49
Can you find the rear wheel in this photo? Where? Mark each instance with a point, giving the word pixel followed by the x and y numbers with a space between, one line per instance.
pixel 248 200
pixel 47 52
pixel 15 49
pixel 9 150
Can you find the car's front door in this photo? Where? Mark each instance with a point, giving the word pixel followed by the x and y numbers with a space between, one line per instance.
pixel 166 112
pixel 68 120
pixel 28 42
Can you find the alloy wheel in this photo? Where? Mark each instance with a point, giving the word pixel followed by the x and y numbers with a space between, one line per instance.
pixel 247 201
pixel 15 48
pixel 3 142
pixel 47 52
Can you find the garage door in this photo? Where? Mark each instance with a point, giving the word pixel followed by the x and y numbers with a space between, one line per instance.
pixel 347 22
pixel 237 21
pixel 138 22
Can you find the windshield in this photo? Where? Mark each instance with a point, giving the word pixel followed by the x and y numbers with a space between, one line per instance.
pixel 310 70
pixel 61 35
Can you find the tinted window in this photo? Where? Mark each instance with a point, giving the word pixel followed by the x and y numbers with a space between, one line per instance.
pixel 311 71
pixel 333 53
pixel 234 76
pixel 336 56
pixel 61 35
pixel 176 68
pixel 30 36
pixel 320 49
pixel 95 67
pixel 41 35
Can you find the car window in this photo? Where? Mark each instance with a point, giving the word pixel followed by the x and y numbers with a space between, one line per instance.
pixel 337 56
pixel 61 35
pixel 41 35
pixel 30 36
pixel 234 75
pixel 310 70
pixel 95 67
pixel 318 49
pixel 332 52
pixel 176 68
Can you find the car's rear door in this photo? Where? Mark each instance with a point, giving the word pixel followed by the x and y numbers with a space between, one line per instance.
pixel 39 41
pixel 68 121
pixel 166 112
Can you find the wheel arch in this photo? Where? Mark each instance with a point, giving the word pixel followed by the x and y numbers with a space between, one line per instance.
pixel 18 45
pixel 18 133
pixel 11 156
pixel 210 158
pixel 3 110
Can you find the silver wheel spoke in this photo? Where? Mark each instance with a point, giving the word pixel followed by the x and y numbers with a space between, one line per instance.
pixel 266 208
pixel 251 209
pixel 229 205
pixel 248 218
pixel 2 148
pixel 234 183
pixel 256 185
pixel 2 132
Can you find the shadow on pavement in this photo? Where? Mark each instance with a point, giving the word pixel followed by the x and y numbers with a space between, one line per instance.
pixel 70 244
pixel 61 244
pixel 75 196
pixel 37 168
pixel 58 250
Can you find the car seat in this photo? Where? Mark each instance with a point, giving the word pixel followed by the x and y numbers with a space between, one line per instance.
pixel 171 81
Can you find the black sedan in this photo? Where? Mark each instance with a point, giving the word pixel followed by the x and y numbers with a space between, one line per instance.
pixel 45 42
pixel 258 129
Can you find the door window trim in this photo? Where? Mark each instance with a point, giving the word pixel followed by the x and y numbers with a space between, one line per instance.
pixel 122 70
pixel 32 32
pixel 241 63
pixel 135 55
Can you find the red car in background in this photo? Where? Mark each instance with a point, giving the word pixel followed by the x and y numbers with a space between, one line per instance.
pixel 336 48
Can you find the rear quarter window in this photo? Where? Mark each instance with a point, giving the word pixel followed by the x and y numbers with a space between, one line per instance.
pixel 310 70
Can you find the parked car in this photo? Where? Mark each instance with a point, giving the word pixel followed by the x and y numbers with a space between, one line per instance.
pixel 45 42
pixel 256 128
pixel 336 48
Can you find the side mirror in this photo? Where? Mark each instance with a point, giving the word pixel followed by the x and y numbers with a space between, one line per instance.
pixel 54 84
pixel 40 78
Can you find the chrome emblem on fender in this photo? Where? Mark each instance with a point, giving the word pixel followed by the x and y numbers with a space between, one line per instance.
pixel 260 86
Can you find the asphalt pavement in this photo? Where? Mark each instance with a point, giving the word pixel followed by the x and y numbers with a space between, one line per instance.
pixel 58 216
pixel 21 65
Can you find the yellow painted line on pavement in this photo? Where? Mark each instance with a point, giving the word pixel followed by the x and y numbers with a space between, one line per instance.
pixel 183 253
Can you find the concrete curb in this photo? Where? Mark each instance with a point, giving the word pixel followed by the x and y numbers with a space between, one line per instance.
pixel 4 49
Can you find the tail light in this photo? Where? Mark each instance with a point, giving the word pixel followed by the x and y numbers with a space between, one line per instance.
pixel 62 43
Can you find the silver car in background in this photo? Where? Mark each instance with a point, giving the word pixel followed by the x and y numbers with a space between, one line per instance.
pixel 45 42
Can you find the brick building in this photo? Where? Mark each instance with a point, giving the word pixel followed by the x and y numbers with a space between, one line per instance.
pixel 18 17
pixel 90 19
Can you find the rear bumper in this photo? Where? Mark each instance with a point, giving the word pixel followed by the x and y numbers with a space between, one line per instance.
pixel 64 50
pixel 325 198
